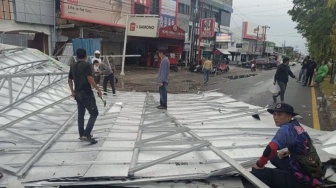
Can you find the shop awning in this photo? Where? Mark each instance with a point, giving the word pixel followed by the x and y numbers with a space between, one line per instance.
pixel 172 32
pixel 221 51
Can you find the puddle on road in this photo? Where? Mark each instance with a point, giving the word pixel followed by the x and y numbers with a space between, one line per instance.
pixel 235 77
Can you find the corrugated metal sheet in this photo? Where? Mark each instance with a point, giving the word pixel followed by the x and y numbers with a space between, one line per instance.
pixel 137 144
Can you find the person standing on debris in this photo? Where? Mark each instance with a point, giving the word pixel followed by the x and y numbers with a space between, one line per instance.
pixel 96 57
pixel 281 78
pixel 303 71
pixel 163 78
pixel 111 62
pixel 207 67
pixel 81 74
pixel 298 165
pixel 311 66
pixel 105 70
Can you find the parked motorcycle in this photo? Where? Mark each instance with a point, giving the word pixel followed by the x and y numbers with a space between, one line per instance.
pixel 174 67
pixel 221 68
pixel 253 67
pixel 196 68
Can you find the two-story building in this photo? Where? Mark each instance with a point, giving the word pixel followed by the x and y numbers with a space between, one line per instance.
pixel 107 20
pixel 28 24
pixel 221 10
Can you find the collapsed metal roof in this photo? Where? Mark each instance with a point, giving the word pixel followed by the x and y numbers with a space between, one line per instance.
pixel 200 136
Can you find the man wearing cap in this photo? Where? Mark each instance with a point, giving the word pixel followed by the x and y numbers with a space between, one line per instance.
pixel 281 77
pixel 292 170
pixel 96 66
pixel 163 78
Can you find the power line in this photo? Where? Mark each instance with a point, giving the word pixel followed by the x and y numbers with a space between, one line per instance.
pixel 259 5
pixel 268 10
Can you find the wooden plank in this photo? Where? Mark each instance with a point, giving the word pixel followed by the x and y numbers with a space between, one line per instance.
pixel 7 10
pixel 1 9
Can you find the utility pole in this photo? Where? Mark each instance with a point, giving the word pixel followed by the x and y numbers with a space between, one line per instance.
pixel 192 37
pixel 265 27
pixel 285 53
pixel 256 48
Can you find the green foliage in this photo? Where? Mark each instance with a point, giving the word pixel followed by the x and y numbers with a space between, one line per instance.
pixel 332 3
pixel 315 20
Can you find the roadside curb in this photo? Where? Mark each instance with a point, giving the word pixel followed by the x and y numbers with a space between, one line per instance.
pixel 331 113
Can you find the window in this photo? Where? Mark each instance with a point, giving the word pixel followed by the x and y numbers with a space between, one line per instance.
pixel 155 7
pixel 139 9
pixel 183 9
pixel 206 13
pixel 5 9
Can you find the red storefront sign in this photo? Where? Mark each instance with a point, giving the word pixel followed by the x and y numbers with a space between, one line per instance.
pixel 172 32
pixel 132 26
pixel 207 27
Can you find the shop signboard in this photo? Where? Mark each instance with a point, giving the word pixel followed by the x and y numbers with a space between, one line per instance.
pixel 239 45
pixel 269 49
pixel 245 47
pixel 223 37
pixel 207 27
pixel 172 32
pixel 111 12
pixel 143 26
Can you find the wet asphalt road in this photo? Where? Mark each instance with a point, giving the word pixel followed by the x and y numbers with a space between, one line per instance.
pixel 254 90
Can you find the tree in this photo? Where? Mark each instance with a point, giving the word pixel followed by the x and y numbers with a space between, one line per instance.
pixel 315 21
pixel 332 5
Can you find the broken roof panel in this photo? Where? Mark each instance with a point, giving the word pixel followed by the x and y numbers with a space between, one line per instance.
pixel 200 136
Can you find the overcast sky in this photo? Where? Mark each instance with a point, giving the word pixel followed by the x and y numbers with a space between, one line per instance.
pixel 272 13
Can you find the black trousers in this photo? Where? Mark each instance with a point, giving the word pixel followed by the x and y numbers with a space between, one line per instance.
pixel 278 177
pixel 86 101
pixel 283 87
pixel 97 78
pixel 108 78
pixel 309 77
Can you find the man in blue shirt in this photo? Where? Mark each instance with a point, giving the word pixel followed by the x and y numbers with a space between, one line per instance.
pixel 163 78
pixel 298 166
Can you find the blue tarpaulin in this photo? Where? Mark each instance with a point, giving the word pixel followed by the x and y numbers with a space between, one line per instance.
pixel 90 45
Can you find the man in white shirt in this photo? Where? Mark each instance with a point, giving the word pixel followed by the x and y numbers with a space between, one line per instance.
pixel 96 67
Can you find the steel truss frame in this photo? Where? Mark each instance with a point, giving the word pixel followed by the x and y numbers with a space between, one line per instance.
pixel 196 143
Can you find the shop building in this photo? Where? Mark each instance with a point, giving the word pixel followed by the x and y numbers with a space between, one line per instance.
pixel 220 11
pixel 28 24
pixel 106 20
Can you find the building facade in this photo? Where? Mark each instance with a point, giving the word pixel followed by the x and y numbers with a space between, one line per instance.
pixel 197 47
pixel 28 24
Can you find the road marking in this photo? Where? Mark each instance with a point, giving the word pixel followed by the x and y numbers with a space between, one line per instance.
pixel 259 83
pixel 316 121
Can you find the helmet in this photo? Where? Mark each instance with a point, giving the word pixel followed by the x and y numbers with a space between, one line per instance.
pixel 97 52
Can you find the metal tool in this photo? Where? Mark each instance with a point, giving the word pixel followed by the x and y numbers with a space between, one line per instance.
pixel 104 101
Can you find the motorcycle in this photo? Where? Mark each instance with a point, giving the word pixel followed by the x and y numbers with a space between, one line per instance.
pixel 253 67
pixel 221 68
pixel 174 67
pixel 196 68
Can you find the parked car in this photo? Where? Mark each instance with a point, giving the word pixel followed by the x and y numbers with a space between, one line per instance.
pixel 246 64
pixel 262 63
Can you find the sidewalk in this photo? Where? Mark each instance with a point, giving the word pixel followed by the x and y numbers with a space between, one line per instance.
pixel 329 101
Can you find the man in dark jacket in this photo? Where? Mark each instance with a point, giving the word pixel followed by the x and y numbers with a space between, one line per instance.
pixel 303 71
pixel 311 66
pixel 281 77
